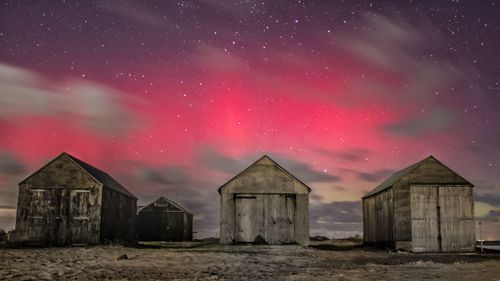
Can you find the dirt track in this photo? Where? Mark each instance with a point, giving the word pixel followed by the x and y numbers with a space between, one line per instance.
pixel 216 262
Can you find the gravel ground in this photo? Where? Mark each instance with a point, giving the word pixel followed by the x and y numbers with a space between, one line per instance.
pixel 242 262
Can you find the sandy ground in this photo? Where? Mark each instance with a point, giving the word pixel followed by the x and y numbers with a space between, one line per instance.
pixel 242 262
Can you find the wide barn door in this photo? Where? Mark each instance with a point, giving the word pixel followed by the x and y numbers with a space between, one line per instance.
pixel 424 219
pixel 280 210
pixel 79 216
pixel 457 219
pixel 249 218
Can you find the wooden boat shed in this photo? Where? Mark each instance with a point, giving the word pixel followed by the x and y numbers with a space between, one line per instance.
pixel 68 201
pixel 264 204
pixel 425 207
pixel 164 220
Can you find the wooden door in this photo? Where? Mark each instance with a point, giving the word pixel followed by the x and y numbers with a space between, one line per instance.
pixel 425 219
pixel 457 219
pixel 79 216
pixel 249 218
pixel 290 219
pixel 280 219
pixel 173 224
pixel 42 222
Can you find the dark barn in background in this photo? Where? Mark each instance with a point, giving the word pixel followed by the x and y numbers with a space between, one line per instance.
pixel 264 204
pixel 425 207
pixel 164 220
pixel 68 201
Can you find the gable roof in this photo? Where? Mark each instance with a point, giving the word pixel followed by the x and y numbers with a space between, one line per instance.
pixel 388 183
pixel 104 178
pixel 274 163
pixel 165 199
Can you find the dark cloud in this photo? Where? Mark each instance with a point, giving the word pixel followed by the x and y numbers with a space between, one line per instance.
pixel 12 170
pixel 316 197
pixel 489 198
pixel 7 217
pixel 10 164
pixel 304 171
pixel 336 212
pixel 492 216
pixel 336 219
pixel 437 120
pixel 215 159
pixel 348 155
pixel 168 176
pixel 374 176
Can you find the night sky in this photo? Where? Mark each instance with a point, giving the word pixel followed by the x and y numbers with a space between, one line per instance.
pixel 173 98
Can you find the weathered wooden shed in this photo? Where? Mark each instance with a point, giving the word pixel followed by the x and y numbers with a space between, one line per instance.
pixel 68 201
pixel 264 204
pixel 164 220
pixel 425 207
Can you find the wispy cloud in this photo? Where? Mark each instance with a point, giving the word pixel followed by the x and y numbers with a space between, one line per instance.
pixel 83 103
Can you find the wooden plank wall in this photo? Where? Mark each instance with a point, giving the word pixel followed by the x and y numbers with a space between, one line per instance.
pixel 51 209
pixel 402 214
pixel 378 216
pixel 425 220
pixel 457 219
pixel 442 218
pixel 271 186
pixel 118 216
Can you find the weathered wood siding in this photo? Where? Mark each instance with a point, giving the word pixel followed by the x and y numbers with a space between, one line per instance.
pixel 442 218
pixel 433 172
pixel 59 204
pixel 379 218
pixel 264 201
pixel 164 226
pixel 457 223
pixel 402 215
pixel 425 219
pixel 164 220
pixel 432 211
pixel 118 216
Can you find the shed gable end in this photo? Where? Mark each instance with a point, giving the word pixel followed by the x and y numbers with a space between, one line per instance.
pixel 264 176
pixel 163 204
pixel 431 171
pixel 60 172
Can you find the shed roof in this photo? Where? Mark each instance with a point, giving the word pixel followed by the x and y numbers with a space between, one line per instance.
pixel 388 183
pixel 104 178
pixel 274 163
pixel 163 199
